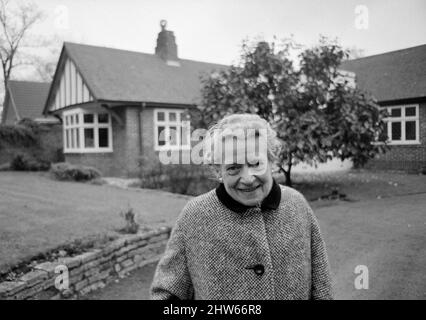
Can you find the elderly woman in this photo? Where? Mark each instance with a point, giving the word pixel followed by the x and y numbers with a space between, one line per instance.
pixel 250 238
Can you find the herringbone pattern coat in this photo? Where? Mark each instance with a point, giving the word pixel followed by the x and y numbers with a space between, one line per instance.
pixel 211 250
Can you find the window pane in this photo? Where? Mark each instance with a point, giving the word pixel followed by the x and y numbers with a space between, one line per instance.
pixel 173 136
pixel 89 138
pixel 184 137
pixel 72 120
pixel 88 118
pixel 103 138
pixel 160 116
pixel 396 112
pixel 172 116
pixel 72 138
pixel 66 120
pixel 161 134
pixel 410 112
pixel 103 118
pixel 76 118
pixel 410 130
pixel 77 136
pixel 396 130
pixel 67 139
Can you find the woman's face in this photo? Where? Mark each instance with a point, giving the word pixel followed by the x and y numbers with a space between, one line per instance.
pixel 250 182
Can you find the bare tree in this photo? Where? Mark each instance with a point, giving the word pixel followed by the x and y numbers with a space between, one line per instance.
pixel 15 24
pixel 45 66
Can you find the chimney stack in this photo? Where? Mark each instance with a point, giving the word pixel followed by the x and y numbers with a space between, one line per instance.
pixel 166 45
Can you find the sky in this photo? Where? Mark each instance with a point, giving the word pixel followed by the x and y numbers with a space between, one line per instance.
pixel 213 30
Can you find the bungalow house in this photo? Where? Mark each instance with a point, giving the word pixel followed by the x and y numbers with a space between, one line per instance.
pixel 397 80
pixel 114 103
pixel 26 100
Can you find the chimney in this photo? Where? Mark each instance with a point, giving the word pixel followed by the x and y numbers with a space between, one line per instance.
pixel 166 45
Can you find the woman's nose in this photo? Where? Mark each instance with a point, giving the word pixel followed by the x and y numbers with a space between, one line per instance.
pixel 247 177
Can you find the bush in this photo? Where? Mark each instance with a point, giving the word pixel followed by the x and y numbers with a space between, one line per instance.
pixel 17 135
pixel 40 143
pixel 70 172
pixel 26 162
pixel 188 179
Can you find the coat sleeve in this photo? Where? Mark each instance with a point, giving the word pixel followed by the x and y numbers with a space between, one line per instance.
pixel 321 283
pixel 171 280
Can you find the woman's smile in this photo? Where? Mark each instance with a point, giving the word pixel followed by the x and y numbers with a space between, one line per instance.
pixel 249 189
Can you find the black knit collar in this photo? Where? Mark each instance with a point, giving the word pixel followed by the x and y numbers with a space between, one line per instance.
pixel 271 201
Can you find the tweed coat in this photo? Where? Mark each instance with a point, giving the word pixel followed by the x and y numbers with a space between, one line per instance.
pixel 219 250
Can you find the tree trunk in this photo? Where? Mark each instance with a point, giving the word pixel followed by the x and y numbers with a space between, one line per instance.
pixel 287 173
pixel 288 178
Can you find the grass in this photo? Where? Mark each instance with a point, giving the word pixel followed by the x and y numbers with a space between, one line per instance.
pixel 386 235
pixel 357 185
pixel 39 214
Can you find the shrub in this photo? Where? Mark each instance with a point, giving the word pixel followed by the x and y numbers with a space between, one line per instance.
pixel 42 143
pixel 17 135
pixel 188 179
pixel 70 172
pixel 26 162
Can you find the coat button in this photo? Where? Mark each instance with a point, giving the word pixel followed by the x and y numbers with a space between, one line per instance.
pixel 258 269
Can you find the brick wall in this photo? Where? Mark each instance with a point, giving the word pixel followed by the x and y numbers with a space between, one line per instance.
pixel 126 147
pixel 409 158
pixel 130 140
pixel 109 163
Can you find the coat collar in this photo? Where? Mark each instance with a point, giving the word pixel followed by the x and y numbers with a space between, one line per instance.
pixel 271 201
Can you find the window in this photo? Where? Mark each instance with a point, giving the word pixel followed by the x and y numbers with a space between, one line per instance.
pixel 87 131
pixel 171 130
pixel 403 124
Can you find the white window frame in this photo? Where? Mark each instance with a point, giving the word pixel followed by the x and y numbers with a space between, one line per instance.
pixel 179 124
pixel 403 119
pixel 79 130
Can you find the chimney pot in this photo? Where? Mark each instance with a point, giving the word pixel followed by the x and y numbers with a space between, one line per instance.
pixel 166 47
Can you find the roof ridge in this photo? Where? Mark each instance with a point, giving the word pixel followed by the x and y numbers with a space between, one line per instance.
pixel 137 52
pixel 386 53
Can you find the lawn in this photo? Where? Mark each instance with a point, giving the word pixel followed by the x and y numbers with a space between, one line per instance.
pixel 37 213
pixel 358 185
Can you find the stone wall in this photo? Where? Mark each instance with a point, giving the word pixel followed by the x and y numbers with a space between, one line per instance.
pixel 88 271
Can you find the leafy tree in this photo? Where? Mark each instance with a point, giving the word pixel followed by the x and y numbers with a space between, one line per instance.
pixel 316 112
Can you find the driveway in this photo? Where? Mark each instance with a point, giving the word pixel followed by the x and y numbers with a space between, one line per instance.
pixel 387 235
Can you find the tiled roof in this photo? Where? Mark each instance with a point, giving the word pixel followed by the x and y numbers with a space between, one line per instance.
pixel 29 97
pixel 393 75
pixel 120 75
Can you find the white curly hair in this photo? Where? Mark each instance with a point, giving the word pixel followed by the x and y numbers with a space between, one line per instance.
pixel 245 121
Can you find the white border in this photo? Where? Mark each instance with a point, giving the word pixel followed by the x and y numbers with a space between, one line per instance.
pixel 79 112
pixel 166 123
pixel 402 119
